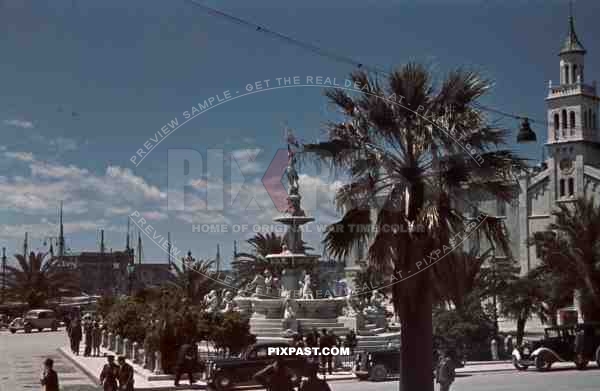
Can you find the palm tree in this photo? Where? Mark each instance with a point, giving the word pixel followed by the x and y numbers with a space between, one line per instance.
pixel 39 278
pixel 570 251
pixel 192 279
pixel 419 167
pixel 247 264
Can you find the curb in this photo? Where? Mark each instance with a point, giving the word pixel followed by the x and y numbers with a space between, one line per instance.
pixel 93 376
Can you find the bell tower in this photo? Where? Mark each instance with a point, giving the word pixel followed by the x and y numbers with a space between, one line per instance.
pixel 573 135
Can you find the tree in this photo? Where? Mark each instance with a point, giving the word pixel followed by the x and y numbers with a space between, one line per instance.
pixel 193 278
pixel 39 278
pixel 413 171
pixel 231 332
pixel 569 250
pixel 247 264
pixel 129 318
pixel 521 299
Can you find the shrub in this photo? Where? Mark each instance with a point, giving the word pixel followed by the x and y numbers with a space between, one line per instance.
pixel 129 319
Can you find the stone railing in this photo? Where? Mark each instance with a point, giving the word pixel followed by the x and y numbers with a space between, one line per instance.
pixel 133 351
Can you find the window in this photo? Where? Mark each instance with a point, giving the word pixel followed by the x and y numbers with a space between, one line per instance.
pixel 571 186
pixel 572 120
pixel 574 77
pixel 564 119
pixel 566 75
pixel 556 121
pixel 594 123
pixel 562 187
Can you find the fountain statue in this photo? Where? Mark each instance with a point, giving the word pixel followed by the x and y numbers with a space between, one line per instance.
pixel 290 323
pixel 307 293
pixel 258 283
pixel 270 283
pixel 211 301
pixel 228 303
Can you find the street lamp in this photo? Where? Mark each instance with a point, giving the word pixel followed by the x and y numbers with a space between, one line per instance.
pixel 526 135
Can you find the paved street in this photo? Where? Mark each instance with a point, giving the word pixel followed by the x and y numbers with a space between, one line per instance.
pixel 21 358
pixel 555 380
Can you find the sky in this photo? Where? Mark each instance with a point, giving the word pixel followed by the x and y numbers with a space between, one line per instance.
pixel 85 84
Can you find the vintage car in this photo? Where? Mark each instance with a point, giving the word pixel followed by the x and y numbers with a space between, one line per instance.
pixel 40 320
pixel 226 374
pixel 16 324
pixel 381 364
pixel 558 344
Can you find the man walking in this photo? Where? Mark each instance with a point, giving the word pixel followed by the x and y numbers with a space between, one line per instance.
pixel 445 373
pixel 96 339
pixel 275 377
pixel 109 375
pixel 88 329
pixel 313 383
pixel 49 378
pixel 186 362
pixel 75 335
pixel 326 341
pixel 125 375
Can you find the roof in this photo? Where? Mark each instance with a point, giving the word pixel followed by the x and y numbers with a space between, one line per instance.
pixel 571 43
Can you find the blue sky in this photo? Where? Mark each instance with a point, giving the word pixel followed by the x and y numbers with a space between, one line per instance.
pixel 128 68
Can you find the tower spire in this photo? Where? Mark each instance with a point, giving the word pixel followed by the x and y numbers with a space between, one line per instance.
pixel 218 258
pixel 127 246
pixel 61 236
pixel 169 248
pixel 102 241
pixel 572 43
pixel 139 247
pixel 25 246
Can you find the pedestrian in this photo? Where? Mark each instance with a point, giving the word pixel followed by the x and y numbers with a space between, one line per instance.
pixel 494 349
pixel 313 383
pixel 312 341
pixel 109 375
pixel 49 378
pixel 96 339
pixel 350 341
pixel 276 376
pixel 186 362
pixel 445 373
pixel 125 376
pixel 508 345
pixel 88 330
pixel 325 341
pixel 75 335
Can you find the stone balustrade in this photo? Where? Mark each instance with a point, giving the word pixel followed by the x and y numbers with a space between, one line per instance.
pixel 157 364
pixel 119 345
pixel 126 348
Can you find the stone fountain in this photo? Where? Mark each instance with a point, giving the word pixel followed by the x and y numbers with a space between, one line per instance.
pixel 281 305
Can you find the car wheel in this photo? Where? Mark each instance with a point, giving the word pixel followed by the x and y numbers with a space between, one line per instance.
pixel 598 356
pixel 541 363
pixel 379 372
pixel 223 382
pixel 13 331
pixel 54 326
pixel 581 363
pixel 27 329
pixel 518 365
pixel 40 329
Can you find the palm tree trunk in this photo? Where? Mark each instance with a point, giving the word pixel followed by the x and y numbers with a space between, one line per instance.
pixel 417 343
pixel 520 330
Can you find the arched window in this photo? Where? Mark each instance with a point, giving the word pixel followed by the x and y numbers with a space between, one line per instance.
pixel 574 76
pixel 562 187
pixel 556 124
pixel 566 75
pixel 572 120
pixel 594 121
pixel 571 186
pixel 563 124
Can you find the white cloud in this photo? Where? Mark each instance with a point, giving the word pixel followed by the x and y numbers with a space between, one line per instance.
pixel 22 156
pixel 49 170
pixel 154 216
pixel 19 123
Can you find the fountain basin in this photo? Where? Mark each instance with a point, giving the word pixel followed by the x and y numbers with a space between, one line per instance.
pixel 305 308
pixel 294 220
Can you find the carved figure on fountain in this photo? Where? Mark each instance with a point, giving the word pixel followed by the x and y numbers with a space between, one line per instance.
pixel 212 301
pixel 271 284
pixel 307 287
pixel 258 283
pixel 290 322
pixel 228 303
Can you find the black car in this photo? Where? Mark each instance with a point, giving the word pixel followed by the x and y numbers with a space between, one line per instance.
pixel 380 365
pixel 558 344
pixel 225 374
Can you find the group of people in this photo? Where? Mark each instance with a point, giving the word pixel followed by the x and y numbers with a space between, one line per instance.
pixel 445 372
pixel 112 378
pixel 116 377
pixel 325 339
pixel 90 329
pixel 278 377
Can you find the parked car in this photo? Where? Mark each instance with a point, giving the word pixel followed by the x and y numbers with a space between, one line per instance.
pixel 382 364
pixel 40 320
pixel 225 374
pixel 558 344
pixel 4 321
pixel 16 324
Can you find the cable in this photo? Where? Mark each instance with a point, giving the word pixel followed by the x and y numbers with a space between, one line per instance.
pixel 337 57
